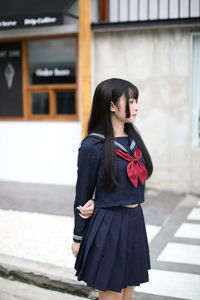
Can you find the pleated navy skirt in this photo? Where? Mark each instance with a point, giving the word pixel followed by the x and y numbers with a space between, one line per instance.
pixel 114 251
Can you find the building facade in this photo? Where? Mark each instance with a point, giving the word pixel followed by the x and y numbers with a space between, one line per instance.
pixel 44 102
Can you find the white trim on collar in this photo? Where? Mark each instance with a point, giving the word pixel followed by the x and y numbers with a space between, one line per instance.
pixel 115 142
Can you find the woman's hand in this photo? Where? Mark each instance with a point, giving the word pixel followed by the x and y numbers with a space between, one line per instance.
pixel 87 210
pixel 75 248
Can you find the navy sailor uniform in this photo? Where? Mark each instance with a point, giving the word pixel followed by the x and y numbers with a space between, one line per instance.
pixel 114 251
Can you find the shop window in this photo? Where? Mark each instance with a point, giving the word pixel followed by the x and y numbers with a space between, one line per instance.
pixel 40 79
pixel 195 92
pixel 52 78
pixel 39 103
pixel 65 102
pixel 52 61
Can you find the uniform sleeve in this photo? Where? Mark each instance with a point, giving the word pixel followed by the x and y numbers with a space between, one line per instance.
pixel 88 161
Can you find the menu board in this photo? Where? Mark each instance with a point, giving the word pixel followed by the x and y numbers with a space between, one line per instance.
pixel 11 80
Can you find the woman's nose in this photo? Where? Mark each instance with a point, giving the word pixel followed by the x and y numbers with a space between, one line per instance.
pixel 136 107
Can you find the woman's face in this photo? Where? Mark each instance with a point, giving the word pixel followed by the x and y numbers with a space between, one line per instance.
pixel 120 109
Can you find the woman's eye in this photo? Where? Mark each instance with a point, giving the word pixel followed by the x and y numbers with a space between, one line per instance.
pixel 132 101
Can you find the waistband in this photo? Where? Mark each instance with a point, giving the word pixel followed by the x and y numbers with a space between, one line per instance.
pixel 121 208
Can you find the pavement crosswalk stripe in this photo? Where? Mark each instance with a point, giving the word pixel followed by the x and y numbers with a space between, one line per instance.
pixel 181 253
pixel 152 231
pixel 172 284
pixel 194 214
pixel 188 230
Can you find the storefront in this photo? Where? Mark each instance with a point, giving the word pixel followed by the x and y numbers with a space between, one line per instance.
pixel 43 74
pixel 45 83
pixel 39 74
pixel 40 59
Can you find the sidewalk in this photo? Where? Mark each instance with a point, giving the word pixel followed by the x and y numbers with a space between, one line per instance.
pixel 15 290
pixel 36 223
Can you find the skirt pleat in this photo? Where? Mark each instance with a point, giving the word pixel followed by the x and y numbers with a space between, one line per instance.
pixel 106 256
pixel 114 251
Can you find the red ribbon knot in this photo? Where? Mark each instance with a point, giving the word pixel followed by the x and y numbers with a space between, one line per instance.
pixel 135 169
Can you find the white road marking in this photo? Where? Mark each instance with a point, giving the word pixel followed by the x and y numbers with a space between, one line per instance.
pixel 181 253
pixel 194 215
pixel 172 284
pixel 152 231
pixel 188 230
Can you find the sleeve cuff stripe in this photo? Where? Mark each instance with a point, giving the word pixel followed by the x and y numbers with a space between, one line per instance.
pixel 77 237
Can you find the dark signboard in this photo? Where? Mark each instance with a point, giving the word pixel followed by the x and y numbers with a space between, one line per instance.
pixel 30 21
pixel 56 74
pixel 11 80
pixel 32 13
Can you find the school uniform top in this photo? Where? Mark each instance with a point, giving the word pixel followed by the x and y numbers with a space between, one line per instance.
pixel 90 174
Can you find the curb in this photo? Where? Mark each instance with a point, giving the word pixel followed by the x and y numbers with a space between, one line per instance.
pixel 44 275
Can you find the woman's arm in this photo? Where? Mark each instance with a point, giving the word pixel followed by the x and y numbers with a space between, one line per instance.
pixel 88 161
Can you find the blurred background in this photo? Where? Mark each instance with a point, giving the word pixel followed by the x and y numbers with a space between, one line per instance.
pixel 52 56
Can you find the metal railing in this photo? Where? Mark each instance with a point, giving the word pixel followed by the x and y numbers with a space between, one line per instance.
pixel 147 10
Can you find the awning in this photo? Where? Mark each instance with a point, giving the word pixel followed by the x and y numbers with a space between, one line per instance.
pixel 32 13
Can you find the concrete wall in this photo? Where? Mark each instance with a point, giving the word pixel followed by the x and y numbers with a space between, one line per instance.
pixel 158 62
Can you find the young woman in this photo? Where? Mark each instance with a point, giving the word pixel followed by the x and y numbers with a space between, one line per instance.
pixel 111 247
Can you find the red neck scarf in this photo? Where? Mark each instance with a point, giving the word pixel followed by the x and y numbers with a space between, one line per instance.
pixel 135 169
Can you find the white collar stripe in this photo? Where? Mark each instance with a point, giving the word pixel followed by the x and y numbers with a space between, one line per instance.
pixel 119 145
pixel 132 145
pixel 98 134
pixel 116 143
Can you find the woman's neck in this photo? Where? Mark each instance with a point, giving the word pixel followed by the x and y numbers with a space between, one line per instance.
pixel 118 127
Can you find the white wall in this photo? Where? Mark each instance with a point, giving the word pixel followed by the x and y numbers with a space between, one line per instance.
pixel 158 62
pixel 39 152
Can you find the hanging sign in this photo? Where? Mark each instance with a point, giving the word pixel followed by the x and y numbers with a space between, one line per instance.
pixel 11 79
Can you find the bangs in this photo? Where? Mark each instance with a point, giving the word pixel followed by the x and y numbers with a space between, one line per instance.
pixel 133 92
pixel 130 93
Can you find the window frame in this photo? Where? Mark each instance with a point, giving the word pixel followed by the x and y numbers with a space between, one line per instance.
pixel 28 88
pixel 193 141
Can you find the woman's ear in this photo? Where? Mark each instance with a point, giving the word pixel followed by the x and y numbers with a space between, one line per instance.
pixel 112 106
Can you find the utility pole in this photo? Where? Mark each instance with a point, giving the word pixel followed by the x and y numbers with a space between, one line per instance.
pixel 85 35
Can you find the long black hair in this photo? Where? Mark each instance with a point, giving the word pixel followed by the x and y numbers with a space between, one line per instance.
pixel 100 122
